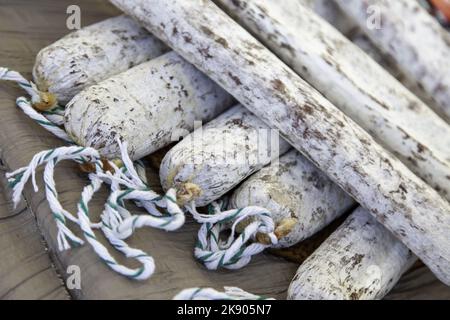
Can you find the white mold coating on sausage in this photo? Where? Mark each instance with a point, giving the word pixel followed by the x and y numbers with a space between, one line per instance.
pixel 226 151
pixel 353 82
pixel 294 188
pixel 92 54
pixel 412 38
pixel 331 12
pixel 361 260
pixel 148 106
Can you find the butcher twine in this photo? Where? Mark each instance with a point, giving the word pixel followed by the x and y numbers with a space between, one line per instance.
pixel 231 293
pixel 117 223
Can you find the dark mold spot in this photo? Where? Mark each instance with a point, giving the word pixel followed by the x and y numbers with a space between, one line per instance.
pixel 205 53
pixel 279 85
pixel 235 79
pixel 207 31
pixel 222 42
pixel 187 37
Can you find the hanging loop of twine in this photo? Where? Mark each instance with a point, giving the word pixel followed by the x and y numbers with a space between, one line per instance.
pixel 122 224
pixel 231 293
pixel 18 179
pixel 236 251
pixel 147 263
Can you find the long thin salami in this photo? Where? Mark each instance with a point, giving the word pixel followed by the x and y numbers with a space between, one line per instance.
pixel 331 12
pixel 209 39
pixel 353 82
pixel 361 260
pixel 413 38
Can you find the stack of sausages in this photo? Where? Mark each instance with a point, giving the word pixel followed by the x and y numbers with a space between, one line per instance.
pixel 363 116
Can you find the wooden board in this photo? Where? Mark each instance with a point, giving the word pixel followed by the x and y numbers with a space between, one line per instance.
pixel 26 271
pixel 26 27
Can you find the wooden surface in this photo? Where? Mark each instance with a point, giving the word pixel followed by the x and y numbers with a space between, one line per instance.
pixel 26 27
pixel 26 271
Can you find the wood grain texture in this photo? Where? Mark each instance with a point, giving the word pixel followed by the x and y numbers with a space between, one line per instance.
pixel 26 271
pixel 20 139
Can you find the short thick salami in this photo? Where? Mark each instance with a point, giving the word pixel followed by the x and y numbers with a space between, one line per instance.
pixel 226 151
pixel 149 106
pixel 294 188
pixel 361 260
pixel 209 39
pixel 91 54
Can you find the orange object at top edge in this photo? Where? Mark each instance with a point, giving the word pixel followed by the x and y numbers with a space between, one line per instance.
pixel 443 6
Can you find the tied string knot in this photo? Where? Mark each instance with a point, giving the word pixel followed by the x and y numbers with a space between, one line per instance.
pixel 256 229
pixel 43 107
pixel 42 101
pixel 236 251
pixel 282 229
pixel 46 101
pixel 107 165
pixel 187 192
pixel 120 222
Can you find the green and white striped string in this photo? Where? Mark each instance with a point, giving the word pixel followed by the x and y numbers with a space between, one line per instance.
pixel 139 192
pixel 148 265
pixel 28 86
pixel 117 222
pixel 55 115
pixel 52 126
pixel 124 221
pixel 122 229
pixel 231 293
pixel 237 250
pixel 50 119
pixel 19 178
